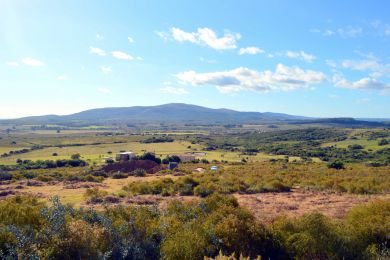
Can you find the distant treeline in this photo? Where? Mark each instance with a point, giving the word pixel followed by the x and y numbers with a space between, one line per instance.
pixel 303 143
pixel 162 139
pixel 25 150
pixel 43 164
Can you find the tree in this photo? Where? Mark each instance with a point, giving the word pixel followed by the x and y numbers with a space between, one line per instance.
pixel 383 142
pixel 75 156
pixel 338 165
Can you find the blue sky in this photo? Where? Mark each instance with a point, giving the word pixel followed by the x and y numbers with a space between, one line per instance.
pixel 315 58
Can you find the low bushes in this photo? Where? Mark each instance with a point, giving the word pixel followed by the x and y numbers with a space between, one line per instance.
pixel 205 185
pixel 212 228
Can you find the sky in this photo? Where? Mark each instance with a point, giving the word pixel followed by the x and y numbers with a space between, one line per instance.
pixel 309 57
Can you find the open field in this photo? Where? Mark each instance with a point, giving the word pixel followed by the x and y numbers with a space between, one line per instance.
pixel 269 206
pixel 272 177
pixel 367 144
pixel 265 206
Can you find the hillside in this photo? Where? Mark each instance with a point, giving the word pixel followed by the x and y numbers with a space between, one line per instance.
pixel 168 113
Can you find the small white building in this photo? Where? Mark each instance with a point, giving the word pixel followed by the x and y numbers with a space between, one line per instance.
pixel 124 156
pixel 214 168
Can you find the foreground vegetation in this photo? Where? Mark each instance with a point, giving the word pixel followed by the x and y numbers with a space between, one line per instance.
pixel 30 229
pixel 271 177
pixel 213 225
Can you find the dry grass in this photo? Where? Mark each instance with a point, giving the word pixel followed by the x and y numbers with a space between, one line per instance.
pixel 268 206
pixel 73 192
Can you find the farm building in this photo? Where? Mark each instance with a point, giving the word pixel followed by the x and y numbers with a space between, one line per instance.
pixel 124 156
pixel 186 157
pixel 214 168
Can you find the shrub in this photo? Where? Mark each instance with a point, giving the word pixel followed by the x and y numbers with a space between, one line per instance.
pixel 204 190
pixel 94 195
pixel 75 156
pixel 139 173
pixel 276 186
pixel 369 225
pixel 355 147
pixel 119 175
pixel 185 186
pixel 5 176
pixel 338 165
pixel 312 236
pixel 383 142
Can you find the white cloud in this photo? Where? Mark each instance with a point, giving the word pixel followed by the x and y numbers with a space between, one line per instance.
pixel 162 35
pixel 371 64
pixel 250 51
pixel 204 36
pixel 173 90
pixel 182 36
pixel 99 37
pixel 104 90
pixel 121 55
pixel 62 77
pixel 301 55
pixel 130 39
pixel 105 69
pixel 360 64
pixel 328 32
pixel 346 32
pixel 97 51
pixel 350 32
pixel 140 58
pixel 32 62
pixel 12 63
pixel 243 79
pixel 364 83
pixel 331 63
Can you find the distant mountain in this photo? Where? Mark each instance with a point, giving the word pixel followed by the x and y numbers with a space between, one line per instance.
pixel 168 113
pixel 177 113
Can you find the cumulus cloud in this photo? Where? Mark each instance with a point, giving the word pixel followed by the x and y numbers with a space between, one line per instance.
pixel 364 83
pixel 284 78
pixel 204 36
pixel 250 51
pixel 130 39
pixel 104 90
pixel 301 55
pixel 173 90
pixel 106 69
pixel 350 32
pixel 376 68
pixel 97 51
pixel 360 64
pixel 162 35
pixel 32 62
pixel 121 55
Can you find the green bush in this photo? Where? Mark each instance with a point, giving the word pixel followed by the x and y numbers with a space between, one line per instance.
pixel 338 165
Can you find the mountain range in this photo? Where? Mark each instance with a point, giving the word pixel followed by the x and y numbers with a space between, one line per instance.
pixel 174 113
